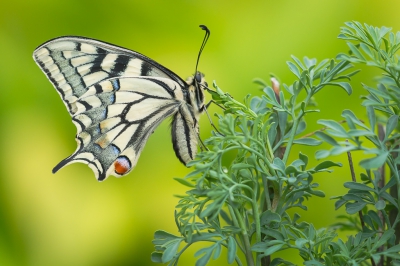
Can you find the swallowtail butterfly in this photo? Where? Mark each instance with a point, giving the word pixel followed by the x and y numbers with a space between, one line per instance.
pixel 116 98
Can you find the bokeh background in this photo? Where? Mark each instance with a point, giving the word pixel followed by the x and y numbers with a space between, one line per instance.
pixel 70 218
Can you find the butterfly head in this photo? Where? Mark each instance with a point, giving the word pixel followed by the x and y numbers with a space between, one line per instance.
pixel 195 97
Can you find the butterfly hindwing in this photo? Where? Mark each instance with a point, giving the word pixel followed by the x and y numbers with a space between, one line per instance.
pixel 116 98
pixel 117 124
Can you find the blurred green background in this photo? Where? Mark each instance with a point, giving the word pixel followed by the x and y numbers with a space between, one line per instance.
pixel 70 218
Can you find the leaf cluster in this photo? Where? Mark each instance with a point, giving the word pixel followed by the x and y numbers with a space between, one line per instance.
pixel 244 178
pixel 243 185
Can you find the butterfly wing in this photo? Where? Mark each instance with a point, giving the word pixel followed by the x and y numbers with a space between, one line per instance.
pixel 116 98
pixel 72 64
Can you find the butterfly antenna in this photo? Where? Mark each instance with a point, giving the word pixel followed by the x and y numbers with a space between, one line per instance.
pixel 206 36
pixel 203 27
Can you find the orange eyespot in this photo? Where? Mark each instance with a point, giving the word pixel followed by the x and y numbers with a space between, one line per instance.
pixel 122 165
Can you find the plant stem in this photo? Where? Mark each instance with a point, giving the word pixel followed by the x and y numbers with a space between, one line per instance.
pixel 245 238
pixel 296 122
pixel 236 223
pixel 291 138
pixel 256 217
pixel 353 177
pixel 396 174
pixel 266 191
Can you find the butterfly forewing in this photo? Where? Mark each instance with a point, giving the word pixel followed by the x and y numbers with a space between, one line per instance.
pixel 73 64
pixel 117 98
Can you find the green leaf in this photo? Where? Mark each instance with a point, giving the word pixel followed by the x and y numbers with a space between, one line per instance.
pixel 268 217
pixel 161 237
pixel 280 262
pixel 204 237
pixel 358 186
pixel 307 141
pixel 212 210
pixel 380 205
pixel 341 149
pixel 391 183
pixel 352 208
pixel 366 50
pixel 356 52
pixel 322 154
pixel 317 193
pixel 300 242
pixel 343 248
pixel 217 250
pixel 333 125
pixel 389 198
pixel 371 117
pixel 376 258
pixel 374 216
pixel 309 62
pixel 260 81
pixel 375 162
pixel 156 257
pixel 302 126
pixel 184 182
pixel 282 122
pixel 383 31
pixel 304 158
pixel 273 249
pixel 384 238
pixel 326 138
pixel 348 114
pixel 278 164
pixel 195 172
pixel 391 125
pixel 275 234
pixel 313 263
pixel 294 69
pixel 369 222
pixel 351 196
pixel 339 204
pixel 171 250
pixel 344 85
pixel 395 256
pixel 239 166
pixel 297 164
pixel 259 247
pixel 326 164
pixel 205 258
pixel 394 249
pixel 360 133
pixel 231 249
pixel 298 62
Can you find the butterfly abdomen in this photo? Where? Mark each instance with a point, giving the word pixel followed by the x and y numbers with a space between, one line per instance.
pixel 184 136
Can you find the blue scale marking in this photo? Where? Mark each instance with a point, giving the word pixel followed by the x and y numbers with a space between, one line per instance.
pixel 115 149
pixel 115 84
pixel 112 98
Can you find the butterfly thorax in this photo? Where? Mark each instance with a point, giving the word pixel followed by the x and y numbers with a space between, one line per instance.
pixel 195 96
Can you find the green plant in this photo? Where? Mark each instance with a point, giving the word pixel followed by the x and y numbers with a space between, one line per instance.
pixel 241 189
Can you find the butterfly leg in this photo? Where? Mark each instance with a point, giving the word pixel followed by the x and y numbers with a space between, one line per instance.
pixel 209 117
pixel 214 102
pixel 203 147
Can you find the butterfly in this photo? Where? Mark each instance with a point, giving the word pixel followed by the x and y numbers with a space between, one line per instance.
pixel 116 98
